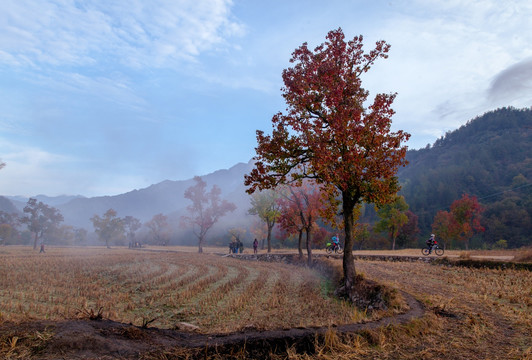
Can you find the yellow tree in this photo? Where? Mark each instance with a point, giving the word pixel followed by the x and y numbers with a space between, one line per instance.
pixel 393 217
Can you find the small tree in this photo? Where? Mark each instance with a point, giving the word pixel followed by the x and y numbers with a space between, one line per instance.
pixel 305 203
pixel 158 226
pixel 461 222
pixel 264 205
pixel 8 227
pixel 131 225
pixel 80 235
pixel 109 227
pixel 408 232
pixel 467 214
pixel 393 217
pixel 330 136
pixel 40 219
pixel 290 222
pixel 444 227
pixel 206 209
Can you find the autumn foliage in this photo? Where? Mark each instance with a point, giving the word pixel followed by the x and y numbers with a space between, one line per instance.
pixel 461 222
pixel 329 135
pixel 206 209
pixel 300 209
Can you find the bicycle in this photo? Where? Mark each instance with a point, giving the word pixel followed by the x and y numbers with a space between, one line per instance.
pixel 437 250
pixel 333 248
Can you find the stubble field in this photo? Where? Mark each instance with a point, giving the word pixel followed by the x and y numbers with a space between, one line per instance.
pixel 470 313
pixel 214 293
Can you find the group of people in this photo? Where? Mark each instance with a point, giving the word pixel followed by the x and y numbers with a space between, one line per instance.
pixel 236 246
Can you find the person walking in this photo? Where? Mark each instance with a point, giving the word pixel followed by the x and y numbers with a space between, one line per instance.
pixel 255 246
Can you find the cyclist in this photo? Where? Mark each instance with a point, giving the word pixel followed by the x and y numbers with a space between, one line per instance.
pixel 336 242
pixel 431 242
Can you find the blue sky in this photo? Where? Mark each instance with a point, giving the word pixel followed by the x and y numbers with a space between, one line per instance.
pixel 103 97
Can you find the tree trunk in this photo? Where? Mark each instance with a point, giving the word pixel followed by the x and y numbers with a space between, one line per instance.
pixel 393 242
pixel 348 206
pixel 35 241
pixel 300 244
pixel 269 238
pixel 200 245
pixel 309 248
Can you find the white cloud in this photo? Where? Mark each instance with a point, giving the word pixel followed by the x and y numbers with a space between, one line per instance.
pixel 136 33
pixel 30 171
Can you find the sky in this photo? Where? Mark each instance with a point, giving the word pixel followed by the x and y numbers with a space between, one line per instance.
pixel 103 97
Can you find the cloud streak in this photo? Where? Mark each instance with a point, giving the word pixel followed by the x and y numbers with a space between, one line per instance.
pixel 161 33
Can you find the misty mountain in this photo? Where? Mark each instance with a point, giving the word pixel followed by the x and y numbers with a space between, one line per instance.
pixel 21 201
pixel 7 205
pixel 489 157
pixel 166 197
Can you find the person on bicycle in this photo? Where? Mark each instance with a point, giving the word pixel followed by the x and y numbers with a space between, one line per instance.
pixel 336 242
pixel 431 242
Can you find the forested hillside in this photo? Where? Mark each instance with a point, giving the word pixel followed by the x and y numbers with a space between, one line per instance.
pixel 491 158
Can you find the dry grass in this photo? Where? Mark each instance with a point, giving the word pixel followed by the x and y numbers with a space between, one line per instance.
pixel 163 289
pixel 472 314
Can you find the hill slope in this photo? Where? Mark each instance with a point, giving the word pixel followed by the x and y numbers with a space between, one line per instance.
pixel 489 157
pixel 166 197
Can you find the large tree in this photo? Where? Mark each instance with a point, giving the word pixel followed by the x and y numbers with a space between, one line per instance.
pixel 40 218
pixel 329 134
pixel 206 209
pixel 264 205
pixel 109 227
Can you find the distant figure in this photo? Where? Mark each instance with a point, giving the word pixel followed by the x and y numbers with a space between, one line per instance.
pixel 431 241
pixel 255 246
pixel 42 248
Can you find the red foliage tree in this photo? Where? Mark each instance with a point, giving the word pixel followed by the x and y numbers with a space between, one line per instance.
pixel 467 214
pixel 300 209
pixel 330 136
pixel 444 227
pixel 206 209
pixel 461 222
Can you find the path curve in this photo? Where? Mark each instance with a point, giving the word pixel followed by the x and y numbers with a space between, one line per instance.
pixel 107 338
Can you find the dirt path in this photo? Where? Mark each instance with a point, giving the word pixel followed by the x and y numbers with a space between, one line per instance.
pixel 104 339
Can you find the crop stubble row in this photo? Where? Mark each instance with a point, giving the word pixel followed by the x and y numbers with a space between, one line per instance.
pixel 217 294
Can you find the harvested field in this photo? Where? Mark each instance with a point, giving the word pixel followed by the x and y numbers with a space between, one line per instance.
pixel 214 293
pixel 470 313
